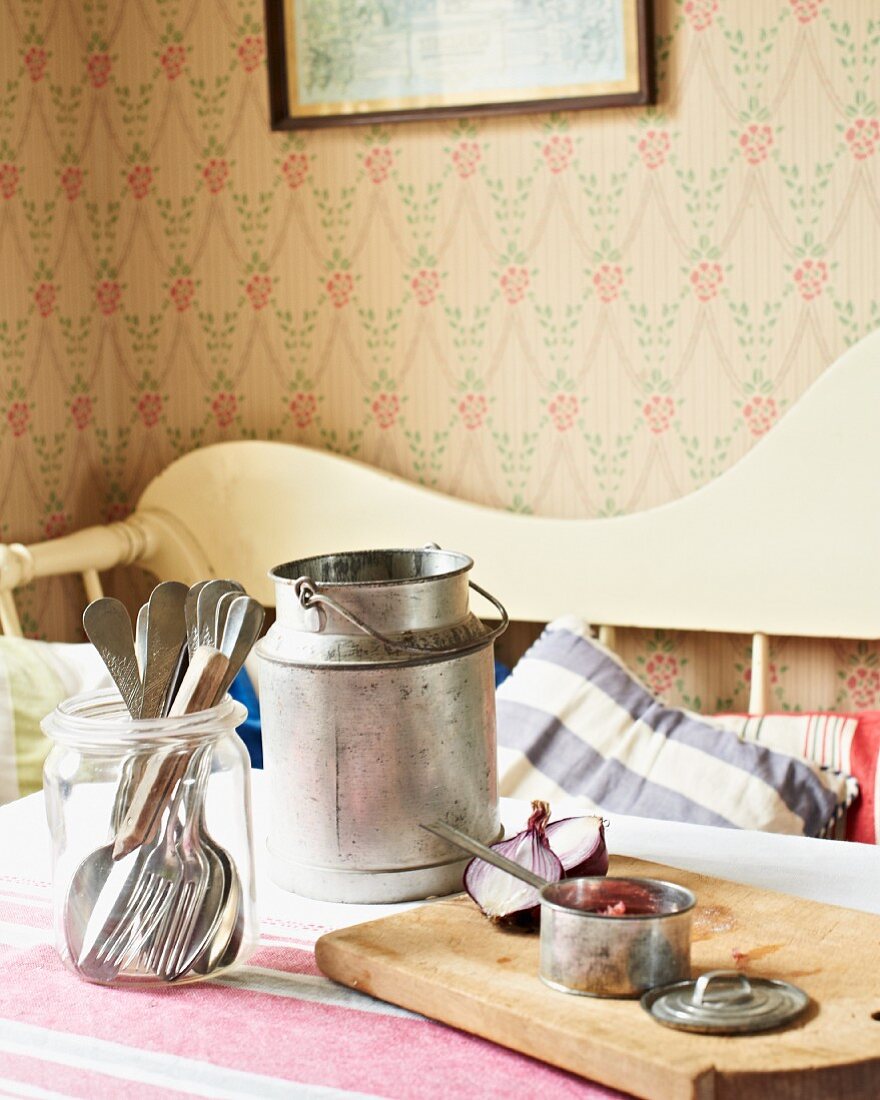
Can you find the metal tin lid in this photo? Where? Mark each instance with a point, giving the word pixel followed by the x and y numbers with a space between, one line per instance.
pixel 725 1002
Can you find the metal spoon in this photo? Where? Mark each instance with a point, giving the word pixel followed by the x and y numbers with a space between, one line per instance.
pixel 190 612
pixel 222 610
pixel 108 628
pixel 223 947
pixel 244 620
pixel 482 851
pixel 166 634
pixel 206 608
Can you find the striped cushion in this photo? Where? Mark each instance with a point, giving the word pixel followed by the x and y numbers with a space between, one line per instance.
pixel 34 678
pixel 574 721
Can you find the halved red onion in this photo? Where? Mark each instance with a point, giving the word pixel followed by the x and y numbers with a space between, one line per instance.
pixel 499 894
pixel 563 849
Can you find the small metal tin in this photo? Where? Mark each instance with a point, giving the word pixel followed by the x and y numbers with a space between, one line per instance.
pixel 726 1002
pixel 599 955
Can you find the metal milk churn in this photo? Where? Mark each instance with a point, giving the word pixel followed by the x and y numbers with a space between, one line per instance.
pixel 377 697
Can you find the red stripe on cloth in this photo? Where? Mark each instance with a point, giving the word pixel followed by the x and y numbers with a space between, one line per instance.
pixel 79 1083
pixel 31 916
pixel 281 1037
pixel 19 881
pixel 276 926
pixel 289 960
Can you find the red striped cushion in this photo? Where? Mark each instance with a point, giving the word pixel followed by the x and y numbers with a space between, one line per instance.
pixel 826 738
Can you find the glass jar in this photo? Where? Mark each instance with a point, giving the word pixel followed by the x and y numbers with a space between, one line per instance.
pixel 180 905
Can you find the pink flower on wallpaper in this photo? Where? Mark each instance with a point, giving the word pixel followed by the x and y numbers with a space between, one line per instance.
pixel 224 407
pixel 18 417
pixel 378 163
pixel 706 280
pixel 760 414
pixel 81 411
pixel 805 11
pixel 810 278
pixel 425 284
pixel 108 294
pixel 557 152
pixel 215 174
pixel 295 169
pixel 755 142
pixel 385 409
pixel 140 179
pixel 473 409
pixel 303 407
pixel 251 52
pixel 863 685
pixel 465 158
pixel 44 299
pixel 862 137
pixel 55 525
pixel 173 61
pixel 658 412
pixel 8 180
pixel 98 67
pixel 654 148
pixel 35 62
pixel 700 13
pixel 661 670
pixel 150 406
pixel 259 290
pixel 71 182
pixel 340 286
pixel 772 674
pixel 563 410
pixel 608 281
pixel 514 284
pixel 181 292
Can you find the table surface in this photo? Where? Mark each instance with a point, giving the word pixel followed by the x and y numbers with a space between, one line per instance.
pixel 276 1027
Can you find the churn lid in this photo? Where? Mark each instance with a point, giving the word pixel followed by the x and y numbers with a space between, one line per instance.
pixel 726 1002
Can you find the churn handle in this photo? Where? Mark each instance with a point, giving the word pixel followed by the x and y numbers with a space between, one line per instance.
pixel 304 589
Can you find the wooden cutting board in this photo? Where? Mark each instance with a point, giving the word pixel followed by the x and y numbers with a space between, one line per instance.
pixel 446 961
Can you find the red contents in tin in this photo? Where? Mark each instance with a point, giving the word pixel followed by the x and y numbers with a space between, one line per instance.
pixel 615 910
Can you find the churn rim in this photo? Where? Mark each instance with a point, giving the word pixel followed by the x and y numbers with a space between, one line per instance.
pixel 467 565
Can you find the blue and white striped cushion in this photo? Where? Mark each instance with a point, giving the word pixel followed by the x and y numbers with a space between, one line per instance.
pixel 574 722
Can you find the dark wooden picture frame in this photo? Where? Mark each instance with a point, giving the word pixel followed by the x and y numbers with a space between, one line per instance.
pixel 286 115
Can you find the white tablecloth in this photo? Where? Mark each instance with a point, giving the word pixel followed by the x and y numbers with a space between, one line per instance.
pixel 275 1027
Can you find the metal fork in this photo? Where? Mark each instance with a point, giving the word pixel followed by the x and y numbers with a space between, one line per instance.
pixel 145 909
pixel 171 942
pixel 151 894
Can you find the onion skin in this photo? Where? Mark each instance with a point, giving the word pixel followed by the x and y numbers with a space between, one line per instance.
pixel 568 848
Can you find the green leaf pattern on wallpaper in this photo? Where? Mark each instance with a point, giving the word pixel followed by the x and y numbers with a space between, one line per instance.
pixel 576 314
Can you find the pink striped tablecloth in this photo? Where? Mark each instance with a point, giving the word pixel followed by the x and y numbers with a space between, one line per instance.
pixel 274 1028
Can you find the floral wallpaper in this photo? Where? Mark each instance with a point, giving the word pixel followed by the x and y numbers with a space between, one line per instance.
pixel 576 314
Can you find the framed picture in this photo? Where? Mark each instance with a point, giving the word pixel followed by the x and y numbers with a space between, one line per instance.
pixel 338 62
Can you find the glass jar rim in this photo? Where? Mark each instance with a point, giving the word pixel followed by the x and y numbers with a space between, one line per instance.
pixel 100 718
